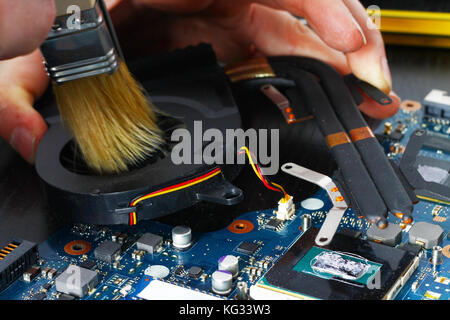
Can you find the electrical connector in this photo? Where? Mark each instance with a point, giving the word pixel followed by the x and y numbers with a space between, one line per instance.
pixel 286 208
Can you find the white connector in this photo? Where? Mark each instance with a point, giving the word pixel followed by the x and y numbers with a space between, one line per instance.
pixel 286 209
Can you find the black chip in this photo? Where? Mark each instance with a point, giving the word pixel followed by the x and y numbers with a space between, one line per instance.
pixel 274 224
pixel 395 135
pixel 179 271
pixel 195 272
pixel 414 248
pixel 39 296
pixel 47 286
pixel 88 264
pixel 107 251
pixel 248 248
pixel 285 278
pixel 350 233
pixel 65 296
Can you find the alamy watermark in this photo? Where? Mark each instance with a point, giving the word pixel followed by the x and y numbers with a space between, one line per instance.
pixel 374 20
pixel 213 147
pixel 74 20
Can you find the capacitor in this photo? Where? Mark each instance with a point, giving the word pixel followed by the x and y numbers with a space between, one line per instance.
pixel 181 237
pixel 221 282
pixel 415 285
pixel 242 290
pixel 436 255
pixel 306 221
pixel 229 263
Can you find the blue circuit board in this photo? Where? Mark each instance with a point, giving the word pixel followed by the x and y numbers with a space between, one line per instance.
pixel 126 278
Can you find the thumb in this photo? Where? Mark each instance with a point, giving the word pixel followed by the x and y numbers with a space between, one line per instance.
pixel 22 80
pixel 24 25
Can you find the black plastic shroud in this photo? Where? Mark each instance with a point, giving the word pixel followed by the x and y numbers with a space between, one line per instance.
pixel 187 85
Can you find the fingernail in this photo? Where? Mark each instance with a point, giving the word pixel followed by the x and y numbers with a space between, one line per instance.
pixel 23 142
pixel 360 30
pixel 393 94
pixel 386 71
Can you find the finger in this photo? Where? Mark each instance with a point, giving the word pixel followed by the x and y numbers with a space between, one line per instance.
pixel 120 10
pixel 256 28
pixel 331 19
pixel 369 63
pixel 22 80
pixel 275 32
pixel 24 25
pixel 179 6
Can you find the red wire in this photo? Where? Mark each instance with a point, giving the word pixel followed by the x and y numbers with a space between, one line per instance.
pixel 172 187
pixel 178 185
pixel 263 179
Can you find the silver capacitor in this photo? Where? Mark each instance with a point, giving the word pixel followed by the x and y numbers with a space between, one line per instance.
pixel 242 290
pixel 181 237
pixel 221 282
pixel 229 263
pixel 436 255
pixel 306 221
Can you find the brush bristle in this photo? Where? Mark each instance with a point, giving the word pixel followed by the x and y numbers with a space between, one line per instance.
pixel 111 119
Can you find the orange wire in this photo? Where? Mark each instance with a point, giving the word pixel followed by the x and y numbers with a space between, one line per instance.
pixel 258 172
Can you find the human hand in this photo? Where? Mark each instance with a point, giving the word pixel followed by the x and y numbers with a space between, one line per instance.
pixel 238 29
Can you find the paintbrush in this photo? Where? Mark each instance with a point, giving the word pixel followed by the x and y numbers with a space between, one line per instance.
pixel 113 123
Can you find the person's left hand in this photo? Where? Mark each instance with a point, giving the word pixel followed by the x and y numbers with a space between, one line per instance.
pixel 237 29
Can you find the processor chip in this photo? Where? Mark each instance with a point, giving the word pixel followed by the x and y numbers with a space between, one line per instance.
pixel 335 264
pixel 347 269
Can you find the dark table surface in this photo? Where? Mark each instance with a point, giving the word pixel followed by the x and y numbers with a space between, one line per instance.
pixel 23 210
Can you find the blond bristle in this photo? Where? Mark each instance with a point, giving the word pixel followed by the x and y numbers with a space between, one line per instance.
pixel 111 119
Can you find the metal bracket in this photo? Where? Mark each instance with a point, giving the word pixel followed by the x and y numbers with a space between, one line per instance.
pixel 280 101
pixel 334 216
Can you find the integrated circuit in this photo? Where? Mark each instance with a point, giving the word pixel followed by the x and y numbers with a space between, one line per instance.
pixel 88 264
pixel 274 224
pixel 76 281
pixel 195 272
pixel 337 264
pixel 391 235
pixel 66 297
pixel 39 296
pixel 108 251
pixel 347 269
pixel 248 248
pixel 426 234
pixel 149 242
pixel 427 174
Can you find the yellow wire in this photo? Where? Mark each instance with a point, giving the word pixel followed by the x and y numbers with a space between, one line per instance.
pixel 175 189
pixel 286 197
pixel 251 162
pixel 134 203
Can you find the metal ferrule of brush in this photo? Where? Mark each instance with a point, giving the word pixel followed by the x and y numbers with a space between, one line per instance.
pixel 82 42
